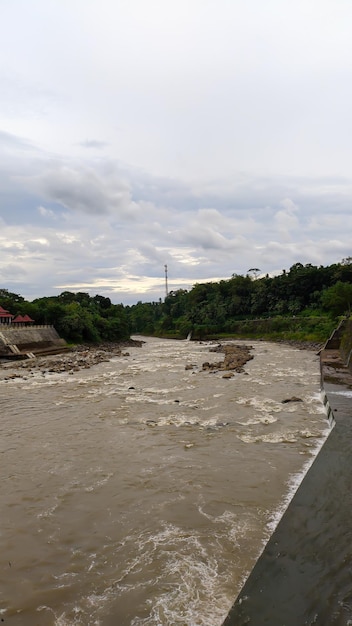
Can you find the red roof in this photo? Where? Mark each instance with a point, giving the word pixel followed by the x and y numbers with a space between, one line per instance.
pixel 22 319
pixel 27 318
pixel 18 319
pixel 4 313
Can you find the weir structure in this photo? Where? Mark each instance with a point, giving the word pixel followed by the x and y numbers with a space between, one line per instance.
pixel 27 342
pixel 304 574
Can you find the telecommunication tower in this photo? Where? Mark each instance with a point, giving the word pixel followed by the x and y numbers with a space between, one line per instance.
pixel 166 287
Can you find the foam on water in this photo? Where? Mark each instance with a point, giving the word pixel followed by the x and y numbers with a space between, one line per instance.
pixel 266 405
pixel 314 403
pixel 268 419
pixel 190 568
pixel 99 482
pixel 280 437
pixel 166 390
pixel 193 576
pixel 180 419
pixel 346 393
pixel 277 437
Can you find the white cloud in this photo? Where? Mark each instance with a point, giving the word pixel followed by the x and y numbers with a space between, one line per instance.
pixel 286 221
pixel 46 212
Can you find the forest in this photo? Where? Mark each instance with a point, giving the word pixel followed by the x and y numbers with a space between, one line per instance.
pixel 302 303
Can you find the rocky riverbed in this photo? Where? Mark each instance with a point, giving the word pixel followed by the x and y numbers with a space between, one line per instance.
pixel 86 356
pixel 235 357
pixel 80 357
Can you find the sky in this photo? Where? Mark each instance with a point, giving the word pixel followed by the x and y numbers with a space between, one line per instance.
pixel 210 136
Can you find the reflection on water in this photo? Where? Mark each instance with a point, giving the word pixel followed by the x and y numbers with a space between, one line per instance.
pixel 139 492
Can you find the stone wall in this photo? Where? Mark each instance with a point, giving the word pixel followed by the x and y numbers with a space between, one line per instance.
pixel 334 341
pixel 346 344
pixel 341 341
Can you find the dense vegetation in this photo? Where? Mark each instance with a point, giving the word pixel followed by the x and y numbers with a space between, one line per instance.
pixel 303 303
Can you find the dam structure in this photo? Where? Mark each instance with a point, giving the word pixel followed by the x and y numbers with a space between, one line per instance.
pixel 21 338
pixel 29 341
pixel 304 574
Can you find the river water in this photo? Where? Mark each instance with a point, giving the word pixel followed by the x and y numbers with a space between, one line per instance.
pixel 141 493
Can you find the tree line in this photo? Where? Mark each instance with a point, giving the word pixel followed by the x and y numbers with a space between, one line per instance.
pixel 304 292
pixel 77 317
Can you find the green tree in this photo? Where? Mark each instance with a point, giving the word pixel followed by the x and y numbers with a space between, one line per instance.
pixel 10 301
pixel 77 324
pixel 338 299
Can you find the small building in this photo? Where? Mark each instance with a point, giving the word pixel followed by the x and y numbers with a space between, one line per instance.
pixel 19 320
pixel 5 316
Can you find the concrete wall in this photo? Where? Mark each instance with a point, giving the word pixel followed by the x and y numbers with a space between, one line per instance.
pixel 29 339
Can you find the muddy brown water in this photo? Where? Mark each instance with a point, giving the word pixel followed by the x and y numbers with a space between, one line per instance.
pixel 140 493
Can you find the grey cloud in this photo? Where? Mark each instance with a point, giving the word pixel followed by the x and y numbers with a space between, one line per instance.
pixel 152 253
pixel 8 141
pixel 329 223
pixel 206 238
pixel 38 247
pixel 11 271
pixel 93 143
pixel 320 252
pixel 209 230
pixel 81 189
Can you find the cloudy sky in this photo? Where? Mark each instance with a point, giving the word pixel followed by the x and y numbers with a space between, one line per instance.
pixel 211 136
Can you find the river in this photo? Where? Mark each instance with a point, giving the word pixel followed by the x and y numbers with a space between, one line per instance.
pixel 139 492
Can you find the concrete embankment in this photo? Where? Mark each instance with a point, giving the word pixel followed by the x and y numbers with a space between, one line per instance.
pixel 304 575
pixel 30 340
